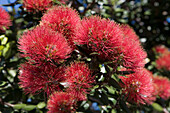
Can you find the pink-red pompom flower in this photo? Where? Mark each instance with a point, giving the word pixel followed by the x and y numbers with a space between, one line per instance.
pixel 61 102
pixel 64 20
pixel 5 21
pixel 101 36
pixel 43 44
pixel 133 54
pixel 161 50
pixel 163 62
pixel 44 78
pixel 138 87
pixel 79 79
pixel 37 5
pixel 112 42
pixel 163 86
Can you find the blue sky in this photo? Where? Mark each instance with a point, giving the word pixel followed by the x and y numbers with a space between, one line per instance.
pixel 6 1
pixel 8 8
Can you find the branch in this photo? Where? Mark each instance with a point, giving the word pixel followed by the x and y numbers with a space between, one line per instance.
pixel 6 103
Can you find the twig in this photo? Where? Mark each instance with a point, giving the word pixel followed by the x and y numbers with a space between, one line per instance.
pixel 6 103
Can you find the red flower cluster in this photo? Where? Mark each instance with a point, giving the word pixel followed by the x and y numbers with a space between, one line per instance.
pixel 161 50
pixel 64 20
pixel 46 78
pixel 163 86
pixel 5 21
pixel 112 42
pixel 79 80
pixel 42 44
pixel 47 47
pixel 61 102
pixel 138 87
pixel 37 5
pixel 133 54
pixel 101 36
pixel 163 62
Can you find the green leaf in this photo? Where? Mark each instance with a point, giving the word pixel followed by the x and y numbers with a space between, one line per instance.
pixel 104 98
pixel 119 10
pixel 56 1
pixel 114 83
pixel 19 106
pixel 157 107
pixel 147 13
pixel 41 105
pixel 1 47
pixel 29 107
pixel 3 39
pixel 8 49
pixel 111 89
pixel 123 20
pixel 2 83
pixel 94 53
pixel 113 111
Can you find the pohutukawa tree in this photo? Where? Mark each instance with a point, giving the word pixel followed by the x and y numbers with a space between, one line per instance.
pixel 64 57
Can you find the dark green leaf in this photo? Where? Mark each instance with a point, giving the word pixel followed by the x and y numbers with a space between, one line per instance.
pixel 104 98
pixel 124 106
pixel 114 83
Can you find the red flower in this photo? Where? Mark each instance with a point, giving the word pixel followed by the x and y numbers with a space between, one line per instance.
pixel 79 80
pixel 101 36
pixel 64 20
pixel 35 79
pixel 138 87
pixel 161 49
pixel 163 62
pixel 37 5
pixel 163 85
pixel 44 44
pixel 61 102
pixel 112 42
pixel 5 21
pixel 133 54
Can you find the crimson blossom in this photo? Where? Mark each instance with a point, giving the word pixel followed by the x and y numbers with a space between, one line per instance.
pixel 163 62
pixel 163 85
pixel 101 36
pixel 43 44
pixel 64 20
pixel 37 5
pixel 133 54
pixel 5 21
pixel 79 79
pixel 35 79
pixel 112 42
pixel 138 87
pixel 61 102
pixel 161 50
